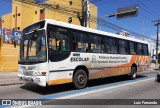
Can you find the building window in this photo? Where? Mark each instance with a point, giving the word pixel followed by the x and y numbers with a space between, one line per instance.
pixel 69 19
pixel 18 28
pixel 2 21
pixel 41 11
pixel 13 28
pixel 35 12
pixel 57 6
pixel 14 16
pixel 19 14
pixel 70 2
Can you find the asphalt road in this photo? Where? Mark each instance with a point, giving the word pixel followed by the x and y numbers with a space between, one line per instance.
pixel 109 88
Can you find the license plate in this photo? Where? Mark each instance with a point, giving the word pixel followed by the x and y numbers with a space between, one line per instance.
pixel 27 79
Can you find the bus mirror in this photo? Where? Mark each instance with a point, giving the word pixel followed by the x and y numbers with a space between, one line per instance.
pixel 14 44
pixel 159 58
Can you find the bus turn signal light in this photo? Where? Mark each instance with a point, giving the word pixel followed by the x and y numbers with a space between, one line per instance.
pixel 43 73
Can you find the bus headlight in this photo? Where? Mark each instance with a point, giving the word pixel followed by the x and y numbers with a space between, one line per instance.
pixel 20 72
pixel 37 73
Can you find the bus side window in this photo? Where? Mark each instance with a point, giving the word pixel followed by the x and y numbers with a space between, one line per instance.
pixel 52 40
pixel 74 44
pixel 80 42
pixel 113 46
pixel 96 44
pixel 132 48
pixel 140 50
pixel 123 47
pixel 145 49
pixel 106 45
pixel 59 40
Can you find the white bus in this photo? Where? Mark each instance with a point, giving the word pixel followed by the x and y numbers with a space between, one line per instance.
pixel 54 52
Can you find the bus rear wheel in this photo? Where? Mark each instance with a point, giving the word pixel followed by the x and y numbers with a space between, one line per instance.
pixel 133 74
pixel 80 79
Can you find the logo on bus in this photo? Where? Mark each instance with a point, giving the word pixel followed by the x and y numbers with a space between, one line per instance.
pixel 79 59
pixel 93 59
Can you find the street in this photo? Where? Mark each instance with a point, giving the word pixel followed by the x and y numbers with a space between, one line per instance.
pixel 120 87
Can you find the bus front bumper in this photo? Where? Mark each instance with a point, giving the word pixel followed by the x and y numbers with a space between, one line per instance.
pixel 40 80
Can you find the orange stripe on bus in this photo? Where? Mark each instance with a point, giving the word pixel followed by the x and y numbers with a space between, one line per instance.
pixel 60 81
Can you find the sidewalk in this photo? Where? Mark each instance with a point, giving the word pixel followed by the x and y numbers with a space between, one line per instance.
pixel 9 78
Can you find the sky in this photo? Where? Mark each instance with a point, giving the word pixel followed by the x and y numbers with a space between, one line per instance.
pixel 148 11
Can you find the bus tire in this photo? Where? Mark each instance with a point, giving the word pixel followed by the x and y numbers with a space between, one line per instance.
pixel 80 79
pixel 133 74
pixel 158 78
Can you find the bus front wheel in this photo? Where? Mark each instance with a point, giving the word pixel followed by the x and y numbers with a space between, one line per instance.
pixel 133 74
pixel 80 79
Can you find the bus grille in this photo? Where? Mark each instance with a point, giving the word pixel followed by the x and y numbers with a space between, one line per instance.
pixel 28 70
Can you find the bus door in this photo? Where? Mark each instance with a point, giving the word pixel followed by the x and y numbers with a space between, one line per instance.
pixel 58 53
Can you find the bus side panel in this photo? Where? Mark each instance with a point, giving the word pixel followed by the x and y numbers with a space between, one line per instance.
pixel 105 65
pixel 143 63
pixel 62 71
pixel 123 67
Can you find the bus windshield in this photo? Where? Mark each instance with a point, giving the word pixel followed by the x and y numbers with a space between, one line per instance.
pixel 33 47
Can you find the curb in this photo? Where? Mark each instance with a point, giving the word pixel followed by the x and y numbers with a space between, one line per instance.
pixel 10 84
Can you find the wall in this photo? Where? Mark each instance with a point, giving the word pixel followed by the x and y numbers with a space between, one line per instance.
pixel 28 16
pixel 23 15
pixel 9 58
pixel 7 21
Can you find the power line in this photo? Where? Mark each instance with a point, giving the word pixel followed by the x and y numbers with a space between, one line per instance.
pixel 117 28
pixel 102 3
pixel 94 1
pixel 149 8
pixel 145 9
pixel 73 3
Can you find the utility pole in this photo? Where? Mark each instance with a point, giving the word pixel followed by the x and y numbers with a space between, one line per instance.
pixel 157 24
pixel 84 18
pixel 88 14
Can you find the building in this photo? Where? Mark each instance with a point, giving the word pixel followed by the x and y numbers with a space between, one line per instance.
pixel 7 21
pixel 124 33
pixel 24 14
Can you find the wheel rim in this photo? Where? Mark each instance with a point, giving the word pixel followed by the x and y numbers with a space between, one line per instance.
pixel 81 79
pixel 134 74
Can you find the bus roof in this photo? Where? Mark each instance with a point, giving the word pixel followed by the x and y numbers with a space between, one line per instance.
pixel 90 30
